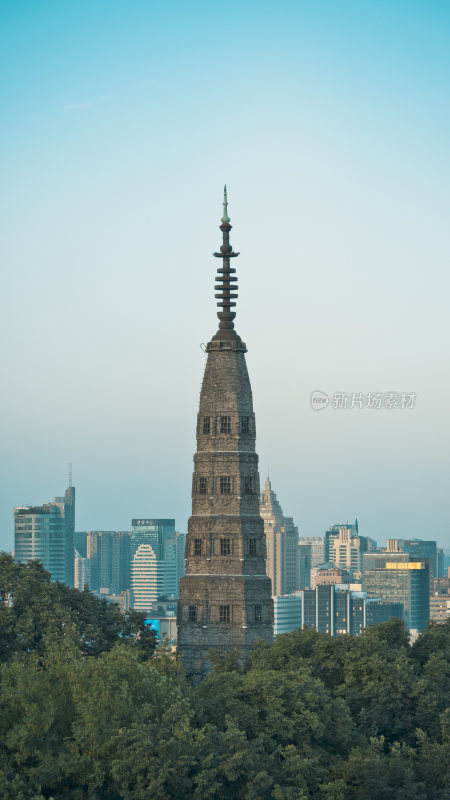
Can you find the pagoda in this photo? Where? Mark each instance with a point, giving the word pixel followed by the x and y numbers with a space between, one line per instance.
pixel 225 599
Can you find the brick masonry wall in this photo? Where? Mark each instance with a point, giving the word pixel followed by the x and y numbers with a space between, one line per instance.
pixel 225 545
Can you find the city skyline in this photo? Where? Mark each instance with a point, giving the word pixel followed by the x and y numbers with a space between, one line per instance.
pixel 119 133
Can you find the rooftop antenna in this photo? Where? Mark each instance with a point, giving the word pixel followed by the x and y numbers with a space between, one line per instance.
pixel 70 474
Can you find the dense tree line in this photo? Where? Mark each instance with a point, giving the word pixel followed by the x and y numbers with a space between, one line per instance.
pixel 90 709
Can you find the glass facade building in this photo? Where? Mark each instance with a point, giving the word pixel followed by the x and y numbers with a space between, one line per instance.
pixel 311 551
pixel 46 533
pixel 405 582
pixel 337 610
pixel 419 550
pixel 107 556
pixel 157 573
pixel 287 613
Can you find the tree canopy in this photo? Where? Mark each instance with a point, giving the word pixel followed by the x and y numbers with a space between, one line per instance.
pixel 90 709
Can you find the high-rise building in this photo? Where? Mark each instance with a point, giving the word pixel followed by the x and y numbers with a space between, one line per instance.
pixel 82 571
pixel 344 547
pixel 327 574
pixel 419 550
pixel 225 596
pixel 311 554
pixel 108 560
pixel 380 558
pixel 80 542
pixel 403 581
pixel 287 613
pixel 337 610
pixel 439 607
pixel 439 563
pixel 168 549
pixel 440 586
pixel 151 531
pixel 181 563
pixel 382 610
pixel 148 578
pixel 66 505
pixel 281 544
pixel 46 533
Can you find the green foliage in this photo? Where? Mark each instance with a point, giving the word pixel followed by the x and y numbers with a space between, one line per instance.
pixel 89 709
pixel 34 612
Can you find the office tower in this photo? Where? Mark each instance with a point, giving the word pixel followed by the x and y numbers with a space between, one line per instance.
pixel 440 586
pixel 181 564
pixel 345 547
pixel 108 561
pixel 82 571
pixel 311 554
pixel 419 550
pixel 147 577
pixel 151 531
pixel 287 613
pixel 282 564
pixel 439 607
pixel 379 559
pixel 439 563
pixel 80 542
pixel 382 610
pixel 403 581
pixel 66 505
pixel 225 596
pixel 46 533
pixel 165 542
pixel 328 574
pixel 336 610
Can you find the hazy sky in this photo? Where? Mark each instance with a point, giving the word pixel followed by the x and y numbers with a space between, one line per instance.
pixel 330 123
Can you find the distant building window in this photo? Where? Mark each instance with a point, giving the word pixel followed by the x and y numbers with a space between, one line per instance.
pixel 252 547
pixel 245 425
pixel 224 613
pixel 225 484
pixel 206 424
pixel 225 547
pixel 192 613
pixel 197 547
pixel 225 424
pixel 248 484
pixel 202 485
pixel 258 613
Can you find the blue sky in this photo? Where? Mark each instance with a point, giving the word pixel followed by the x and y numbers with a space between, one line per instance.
pixel 330 123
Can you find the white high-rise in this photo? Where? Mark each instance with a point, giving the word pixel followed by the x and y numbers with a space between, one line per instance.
pixel 147 577
pixel 157 569
pixel 344 548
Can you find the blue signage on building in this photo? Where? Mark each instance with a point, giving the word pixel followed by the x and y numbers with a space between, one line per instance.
pixel 153 623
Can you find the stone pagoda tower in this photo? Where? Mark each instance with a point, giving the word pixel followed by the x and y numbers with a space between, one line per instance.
pixel 225 597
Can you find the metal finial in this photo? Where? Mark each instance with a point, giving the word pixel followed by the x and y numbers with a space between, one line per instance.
pixel 225 219
pixel 226 286
pixel 70 474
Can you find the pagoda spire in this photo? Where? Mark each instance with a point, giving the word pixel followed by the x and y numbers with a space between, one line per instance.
pixel 226 281
pixel 225 219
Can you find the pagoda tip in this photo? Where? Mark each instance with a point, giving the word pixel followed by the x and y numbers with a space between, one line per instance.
pixel 225 219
